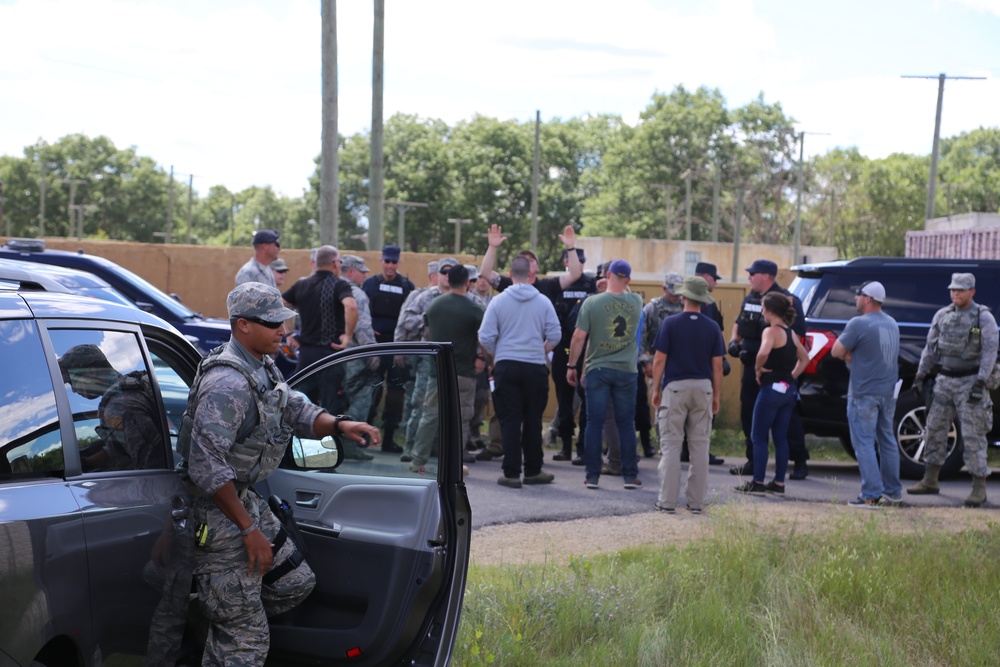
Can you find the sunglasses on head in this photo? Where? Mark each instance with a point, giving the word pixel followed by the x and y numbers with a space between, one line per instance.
pixel 269 325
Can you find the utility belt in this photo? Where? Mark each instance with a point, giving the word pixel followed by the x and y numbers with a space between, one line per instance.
pixel 951 373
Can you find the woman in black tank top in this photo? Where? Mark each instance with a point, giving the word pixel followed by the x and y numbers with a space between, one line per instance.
pixel 780 360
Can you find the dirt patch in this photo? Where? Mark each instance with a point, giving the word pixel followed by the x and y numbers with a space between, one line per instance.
pixel 558 541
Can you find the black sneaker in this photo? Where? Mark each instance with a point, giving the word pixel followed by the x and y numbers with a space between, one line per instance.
pixel 743 470
pixel 752 487
pixel 714 460
pixel 694 510
pixel 664 508
pixel 775 489
pixel 562 456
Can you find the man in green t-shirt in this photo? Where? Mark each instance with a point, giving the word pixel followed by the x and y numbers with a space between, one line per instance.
pixel 613 322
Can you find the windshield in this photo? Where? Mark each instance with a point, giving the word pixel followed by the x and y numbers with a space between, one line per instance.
pixel 157 295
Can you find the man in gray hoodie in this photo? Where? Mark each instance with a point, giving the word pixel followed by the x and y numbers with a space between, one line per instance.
pixel 519 329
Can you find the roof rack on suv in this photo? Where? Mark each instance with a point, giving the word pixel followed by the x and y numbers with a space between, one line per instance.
pixel 25 281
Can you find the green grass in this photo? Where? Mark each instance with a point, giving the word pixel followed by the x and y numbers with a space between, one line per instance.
pixel 857 595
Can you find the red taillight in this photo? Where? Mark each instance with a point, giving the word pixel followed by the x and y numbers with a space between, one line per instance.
pixel 818 345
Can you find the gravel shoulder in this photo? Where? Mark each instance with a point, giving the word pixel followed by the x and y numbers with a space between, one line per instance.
pixel 557 542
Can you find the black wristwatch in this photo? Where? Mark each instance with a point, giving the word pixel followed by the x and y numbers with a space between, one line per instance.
pixel 336 422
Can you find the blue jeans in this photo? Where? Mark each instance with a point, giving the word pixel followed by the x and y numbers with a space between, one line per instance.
pixel 771 414
pixel 604 386
pixel 870 420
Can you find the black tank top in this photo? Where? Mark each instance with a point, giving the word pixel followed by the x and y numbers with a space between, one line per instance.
pixel 781 361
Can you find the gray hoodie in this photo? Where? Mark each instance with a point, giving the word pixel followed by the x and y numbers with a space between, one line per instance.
pixel 518 323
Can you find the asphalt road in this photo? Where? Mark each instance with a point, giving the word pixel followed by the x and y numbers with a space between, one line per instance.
pixel 567 498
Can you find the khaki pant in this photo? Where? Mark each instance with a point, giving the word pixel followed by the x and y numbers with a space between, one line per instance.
pixel 685 409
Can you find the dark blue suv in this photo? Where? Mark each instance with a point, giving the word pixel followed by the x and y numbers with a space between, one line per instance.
pixel 205 333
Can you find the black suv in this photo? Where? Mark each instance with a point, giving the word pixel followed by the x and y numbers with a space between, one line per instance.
pixel 915 290
pixel 92 542
pixel 205 333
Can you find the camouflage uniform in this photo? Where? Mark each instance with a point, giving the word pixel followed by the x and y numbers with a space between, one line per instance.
pixel 130 425
pixel 238 423
pixel 657 310
pixel 255 272
pixel 965 344
pixel 360 379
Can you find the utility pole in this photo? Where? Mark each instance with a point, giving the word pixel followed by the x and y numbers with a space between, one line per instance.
pixel 797 235
pixel 932 181
pixel 329 187
pixel 668 230
pixel 737 231
pixel 376 172
pixel 401 208
pixel 1 210
pixel 169 236
pixel 716 186
pixel 42 187
pixel 687 204
pixel 535 177
pixel 458 222
pixel 232 219
pixel 190 206
pixel 73 182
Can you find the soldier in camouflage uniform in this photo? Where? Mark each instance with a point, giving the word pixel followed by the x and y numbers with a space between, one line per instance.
pixel 130 429
pixel 963 339
pixel 659 309
pixel 361 377
pixel 239 420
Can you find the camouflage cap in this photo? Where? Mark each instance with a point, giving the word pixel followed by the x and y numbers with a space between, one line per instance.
pixel 432 267
pixel 447 262
pixel 279 265
pixel 353 262
pixel 962 281
pixel 257 301
pixel 671 281
pixel 473 271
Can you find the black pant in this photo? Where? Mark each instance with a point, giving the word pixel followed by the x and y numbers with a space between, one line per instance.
pixel 565 394
pixel 520 393
pixel 325 389
pixel 749 389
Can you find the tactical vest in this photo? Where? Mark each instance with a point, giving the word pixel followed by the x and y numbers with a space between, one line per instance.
pixel 750 323
pixel 387 298
pixel 136 389
pixel 572 295
pixel 959 342
pixel 257 454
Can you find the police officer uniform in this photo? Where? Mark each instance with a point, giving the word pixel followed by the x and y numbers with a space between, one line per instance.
pixel 964 342
pixel 750 326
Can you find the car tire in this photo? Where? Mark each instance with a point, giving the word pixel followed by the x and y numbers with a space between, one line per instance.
pixel 909 425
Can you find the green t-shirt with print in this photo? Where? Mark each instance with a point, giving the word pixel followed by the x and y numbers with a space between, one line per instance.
pixel 612 321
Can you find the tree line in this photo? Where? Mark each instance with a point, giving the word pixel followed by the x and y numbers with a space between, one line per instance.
pixel 686 167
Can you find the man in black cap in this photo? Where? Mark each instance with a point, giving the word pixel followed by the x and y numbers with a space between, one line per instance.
pixel 258 268
pixel 386 293
pixel 711 275
pixel 744 344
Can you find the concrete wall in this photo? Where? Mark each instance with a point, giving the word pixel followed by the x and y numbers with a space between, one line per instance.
pixel 963 221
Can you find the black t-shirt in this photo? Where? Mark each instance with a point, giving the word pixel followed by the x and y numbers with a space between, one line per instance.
pixel 319 298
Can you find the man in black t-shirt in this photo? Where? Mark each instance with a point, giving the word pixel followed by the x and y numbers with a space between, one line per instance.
pixel 329 314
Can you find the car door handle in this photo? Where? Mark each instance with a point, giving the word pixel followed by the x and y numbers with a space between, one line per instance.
pixel 307 501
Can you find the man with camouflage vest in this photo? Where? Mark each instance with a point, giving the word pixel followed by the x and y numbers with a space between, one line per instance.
pixel 660 308
pixel 239 420
pixel 963 339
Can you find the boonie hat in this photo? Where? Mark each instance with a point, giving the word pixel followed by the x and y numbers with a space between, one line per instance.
pixel 671 281
pixel 872 288
pixel 266 236
pixel 279 266
pixel 962 281
pixel 259 301
pixel 763 266
pixel 695 288
pixel 707 269
pixel 621 268
pixel 391 252
pixel 353 262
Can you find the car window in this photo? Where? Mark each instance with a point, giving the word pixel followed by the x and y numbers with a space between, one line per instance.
pixel 116 415
pixel 362 387
pixel 910 297
pixel 30 440
pixel 171 375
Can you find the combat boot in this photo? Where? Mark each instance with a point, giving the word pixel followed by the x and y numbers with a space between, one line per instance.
pixel 567 451
pixel 929 484
pixel 978 495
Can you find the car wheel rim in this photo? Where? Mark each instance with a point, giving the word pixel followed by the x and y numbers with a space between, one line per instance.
pixel 911 434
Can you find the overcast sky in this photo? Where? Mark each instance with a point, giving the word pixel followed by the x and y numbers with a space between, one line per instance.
pixel 229 90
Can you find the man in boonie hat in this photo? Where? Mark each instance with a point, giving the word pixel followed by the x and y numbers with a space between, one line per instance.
pixel 688 359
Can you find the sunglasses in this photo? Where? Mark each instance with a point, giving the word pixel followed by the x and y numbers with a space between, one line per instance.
pixel 391 261
pixel 269 325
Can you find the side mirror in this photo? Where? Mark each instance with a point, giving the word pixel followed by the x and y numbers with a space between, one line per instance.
pixel 326 454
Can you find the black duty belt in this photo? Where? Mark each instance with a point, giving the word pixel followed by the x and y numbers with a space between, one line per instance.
pixel 949 373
